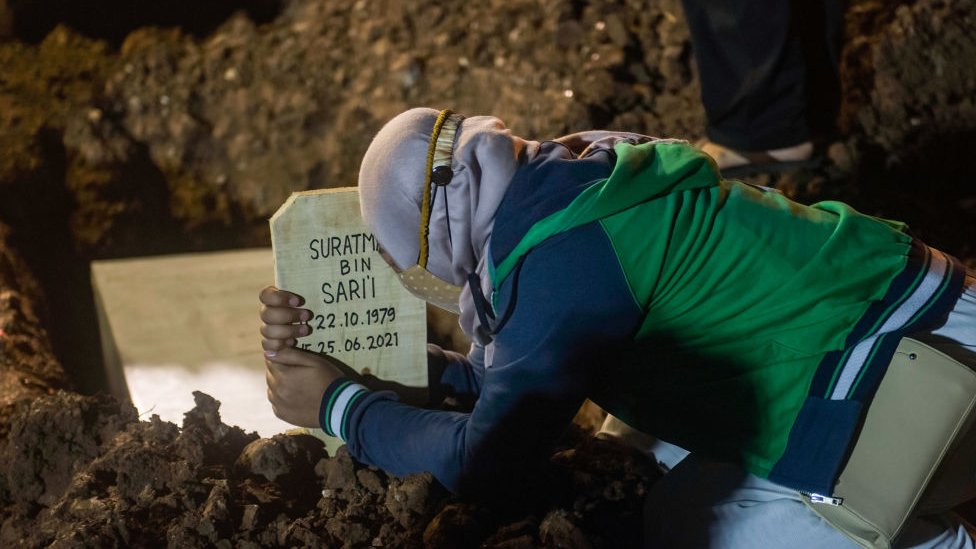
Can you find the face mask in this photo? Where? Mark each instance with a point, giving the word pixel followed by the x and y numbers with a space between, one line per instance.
pixel 423 284
pixel 417 279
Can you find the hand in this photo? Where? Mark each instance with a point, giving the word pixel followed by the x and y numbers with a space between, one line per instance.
pixel 296 382
pixel 283 322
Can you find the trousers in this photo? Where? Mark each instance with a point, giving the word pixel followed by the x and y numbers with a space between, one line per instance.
pixel 706 503
pixel 768 68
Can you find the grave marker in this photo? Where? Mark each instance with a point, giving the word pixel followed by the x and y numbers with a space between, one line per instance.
pixel 361 314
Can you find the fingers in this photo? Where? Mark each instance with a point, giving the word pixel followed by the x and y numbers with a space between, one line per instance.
pixel 286 357
pixel 282 320
pixel 276 344
pixel 273 297
pixel 284 315
pixel 296 381
pixel 285 331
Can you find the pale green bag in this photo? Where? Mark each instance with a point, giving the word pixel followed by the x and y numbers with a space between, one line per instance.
pixel 924 405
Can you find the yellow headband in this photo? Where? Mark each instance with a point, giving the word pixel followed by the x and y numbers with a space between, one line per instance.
pixel 439 155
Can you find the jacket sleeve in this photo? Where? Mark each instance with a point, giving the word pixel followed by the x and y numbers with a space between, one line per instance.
pixel 462 375
pixel 570 306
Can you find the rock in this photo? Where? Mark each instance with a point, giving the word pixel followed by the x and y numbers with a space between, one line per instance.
pixel 457 525
pixel 264 457
pixel 370 480
pixel 514 534
pixel 216 506
pixel 556 530
pixel 350 534
pixel 616 30
pixel 339 472
pixel 250 517
pixel 410 500
pixel 205 415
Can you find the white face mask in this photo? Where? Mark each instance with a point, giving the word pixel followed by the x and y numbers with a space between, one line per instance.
pixel 423 284
pixel 417 279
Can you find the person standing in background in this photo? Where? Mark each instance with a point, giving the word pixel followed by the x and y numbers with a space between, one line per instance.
pixel 769 84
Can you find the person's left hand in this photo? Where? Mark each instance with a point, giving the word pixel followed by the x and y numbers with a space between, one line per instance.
pixel 296 382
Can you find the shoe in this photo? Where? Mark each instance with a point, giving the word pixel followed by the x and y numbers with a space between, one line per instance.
pixel 733 163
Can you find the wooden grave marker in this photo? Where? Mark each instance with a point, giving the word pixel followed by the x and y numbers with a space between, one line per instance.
pixel 361 314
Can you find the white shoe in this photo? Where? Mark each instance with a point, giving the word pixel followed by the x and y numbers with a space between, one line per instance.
pixel 733 162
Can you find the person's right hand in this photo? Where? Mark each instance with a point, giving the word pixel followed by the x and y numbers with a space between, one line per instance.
pixel 283 320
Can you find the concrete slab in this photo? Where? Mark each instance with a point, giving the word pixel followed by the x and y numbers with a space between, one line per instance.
pixel 174 324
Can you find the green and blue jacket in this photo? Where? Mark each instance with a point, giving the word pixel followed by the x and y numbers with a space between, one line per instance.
pixel 712 314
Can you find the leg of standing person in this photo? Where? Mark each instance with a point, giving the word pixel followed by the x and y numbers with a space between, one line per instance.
pixel 755 61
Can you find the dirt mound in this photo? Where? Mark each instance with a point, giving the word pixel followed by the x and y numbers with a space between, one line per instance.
pixel 916 91
pixel 215 132
pixel 28 368
pixel 86 470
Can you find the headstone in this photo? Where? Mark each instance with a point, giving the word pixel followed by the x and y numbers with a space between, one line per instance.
pixel 361 314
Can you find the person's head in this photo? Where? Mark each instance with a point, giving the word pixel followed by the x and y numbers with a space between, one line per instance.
pixel 430 184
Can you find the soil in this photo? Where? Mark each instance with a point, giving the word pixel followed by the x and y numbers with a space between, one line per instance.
pixel 84 470
pixel 132 131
